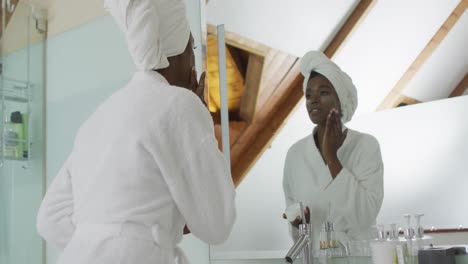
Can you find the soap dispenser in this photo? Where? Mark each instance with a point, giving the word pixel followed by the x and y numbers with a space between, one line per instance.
pixel 409 231
pixel 401 248
pixel 383 251
pixel 324 253
pixel 420 240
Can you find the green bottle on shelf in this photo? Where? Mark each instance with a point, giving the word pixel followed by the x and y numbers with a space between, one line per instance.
pixel 25 135
pixel 14 136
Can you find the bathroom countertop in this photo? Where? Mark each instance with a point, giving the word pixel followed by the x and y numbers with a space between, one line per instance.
pixel 349 260
pixel 462 259
pixel 368 260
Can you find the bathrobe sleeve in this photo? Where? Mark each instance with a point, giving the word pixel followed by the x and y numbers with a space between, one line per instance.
pixel 54 219
pixel 195 171
pixel 356 193
pixel 288 194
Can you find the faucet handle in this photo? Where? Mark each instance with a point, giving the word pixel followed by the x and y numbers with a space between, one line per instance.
pixel 419 228
pixel 409 231
pixel 301 205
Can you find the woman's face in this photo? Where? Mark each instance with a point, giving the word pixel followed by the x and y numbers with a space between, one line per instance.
pixel 183 63
pixel 189 62
pixel 321 97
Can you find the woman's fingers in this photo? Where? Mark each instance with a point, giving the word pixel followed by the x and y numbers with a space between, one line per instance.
pixel 201 86
pixel 307 215
pixel 332 123
pixel 338 124
pixel 193 80
pixel 329 123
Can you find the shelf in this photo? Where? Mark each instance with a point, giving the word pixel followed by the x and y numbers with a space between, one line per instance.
pixel 15 91
pixel 16 140
pixel 15 99
pixel 17 159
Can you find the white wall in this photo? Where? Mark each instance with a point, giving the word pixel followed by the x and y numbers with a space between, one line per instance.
pixel 424 149
pixel 293 26
pixel 445 68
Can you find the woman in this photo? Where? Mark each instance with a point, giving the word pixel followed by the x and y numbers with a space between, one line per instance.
pixel 335 171
pixel 146 163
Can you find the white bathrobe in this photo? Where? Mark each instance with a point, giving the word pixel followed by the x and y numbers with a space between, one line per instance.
pixel 355 195
pixel 143 165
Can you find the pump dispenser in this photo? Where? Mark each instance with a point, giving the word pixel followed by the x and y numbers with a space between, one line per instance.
pixel 409 231
pixel 420 240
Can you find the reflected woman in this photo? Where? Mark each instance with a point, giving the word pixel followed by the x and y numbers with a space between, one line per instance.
pixel 335 171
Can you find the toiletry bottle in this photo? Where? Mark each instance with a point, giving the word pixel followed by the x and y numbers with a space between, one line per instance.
pixel 11 137
pixel 420 240
pixel 334 246
pixel 16 125
pixel 324 254
pixel 383 251
pixel 401 249
pixel 409 235
pixel 25 119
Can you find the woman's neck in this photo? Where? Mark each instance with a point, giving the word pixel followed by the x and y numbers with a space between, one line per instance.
pixel 319 133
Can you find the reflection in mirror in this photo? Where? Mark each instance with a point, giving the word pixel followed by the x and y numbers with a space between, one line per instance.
pixel 389 60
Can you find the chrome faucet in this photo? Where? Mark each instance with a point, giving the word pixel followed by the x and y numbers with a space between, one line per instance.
pixel 304 243
pixel 344 249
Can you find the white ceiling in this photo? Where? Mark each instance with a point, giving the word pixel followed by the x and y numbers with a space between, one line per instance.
pixel 294 26
pixel 377 54
pixel 445 69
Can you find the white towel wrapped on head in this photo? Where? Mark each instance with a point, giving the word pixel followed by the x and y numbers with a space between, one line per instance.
pixel 154 29
pixel 316 61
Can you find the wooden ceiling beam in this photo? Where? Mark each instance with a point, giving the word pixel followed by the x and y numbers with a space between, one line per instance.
pixel 395 95
pixel 277 66
pixel 273 114
pixel 351 24
pixel 461 87
pixel 240 42
pixel 406 100
pixel 248 105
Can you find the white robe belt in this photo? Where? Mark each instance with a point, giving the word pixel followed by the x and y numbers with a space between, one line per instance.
pixel 139 231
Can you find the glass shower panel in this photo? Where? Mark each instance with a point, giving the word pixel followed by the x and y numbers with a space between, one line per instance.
pixel 22 78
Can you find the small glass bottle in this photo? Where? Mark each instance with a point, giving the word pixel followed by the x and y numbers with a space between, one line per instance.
pixel 324 254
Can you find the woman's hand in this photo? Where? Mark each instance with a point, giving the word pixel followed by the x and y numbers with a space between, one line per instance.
pixel 198 87
pixel 333 137
pixel 332 140
pixel 298 219
pixel 186 230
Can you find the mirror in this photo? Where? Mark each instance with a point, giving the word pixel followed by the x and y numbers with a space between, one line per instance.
pixel 393 62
